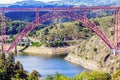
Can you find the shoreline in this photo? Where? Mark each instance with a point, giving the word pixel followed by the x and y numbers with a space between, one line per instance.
pixel 49 52
pixel 87 64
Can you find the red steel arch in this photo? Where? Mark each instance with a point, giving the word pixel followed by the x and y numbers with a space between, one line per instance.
pixel 61 14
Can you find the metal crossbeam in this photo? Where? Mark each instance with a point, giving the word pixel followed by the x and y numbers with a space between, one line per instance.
pixel 66 12
pixel 60 9
pixel 53 15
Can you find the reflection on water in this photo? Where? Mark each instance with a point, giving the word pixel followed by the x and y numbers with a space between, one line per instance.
pixel 45 65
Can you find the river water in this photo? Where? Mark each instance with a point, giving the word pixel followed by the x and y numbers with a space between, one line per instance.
pixel 48 65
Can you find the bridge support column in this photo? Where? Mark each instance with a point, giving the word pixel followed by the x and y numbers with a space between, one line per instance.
pixel 3 32
pixel 114 51
pixel 116 24
pixel 37 17
pixel 85 15
pixel 15 50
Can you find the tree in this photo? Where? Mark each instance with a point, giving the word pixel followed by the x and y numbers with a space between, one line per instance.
pixel 57 76
pixel 20 75
pixel 49 77
pixel 18 66
pixel 93 75
pixel 10 58
pixel 9 70
pixel 116 75
pixel 62 77
pixel 34 75
pixel 2 75
pixel 46 31
pixel 97 23
pixel 2 56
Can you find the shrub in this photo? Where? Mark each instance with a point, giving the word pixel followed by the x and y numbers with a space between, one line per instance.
pixel 116 75
pixel 37 44
pixel 57 44
pixel 93 75
pixel 97 23
pixel 34 75
pixel 49 77
pixel 95 49
pixel 57 76
pixel 112 32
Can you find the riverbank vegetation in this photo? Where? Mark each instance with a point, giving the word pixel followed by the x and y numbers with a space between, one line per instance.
pixel 13 70
pixel 85 75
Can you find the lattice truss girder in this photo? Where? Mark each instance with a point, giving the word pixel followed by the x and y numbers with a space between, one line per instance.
pixel 66 12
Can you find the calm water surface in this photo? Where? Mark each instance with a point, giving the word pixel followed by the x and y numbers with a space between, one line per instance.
pixel 51 65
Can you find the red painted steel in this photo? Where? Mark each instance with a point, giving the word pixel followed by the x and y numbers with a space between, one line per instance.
pixel 61 9
pixel 85 15
pixel 3 32
pixel 61 12
pixel 53 15
pixel 116 22
pixel 37 17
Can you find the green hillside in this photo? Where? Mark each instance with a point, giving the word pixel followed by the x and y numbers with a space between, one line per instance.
pixel 94 49
pixel 63 32
pixel 59 34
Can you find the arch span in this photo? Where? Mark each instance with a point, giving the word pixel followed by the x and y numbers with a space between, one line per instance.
pixel 60 14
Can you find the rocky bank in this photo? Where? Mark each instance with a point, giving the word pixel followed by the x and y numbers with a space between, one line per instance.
pixel 94 53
